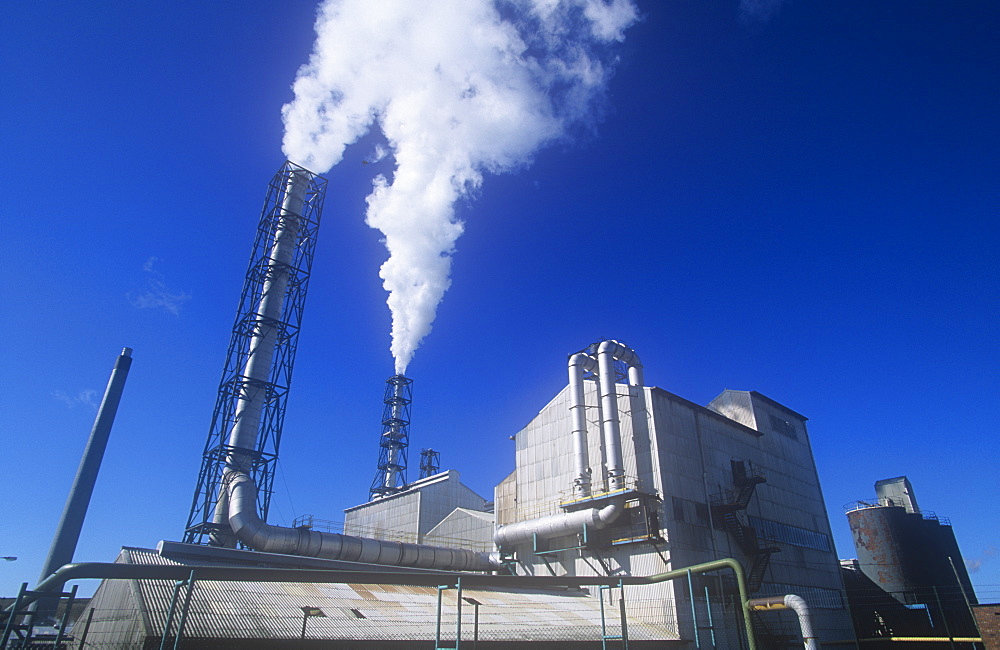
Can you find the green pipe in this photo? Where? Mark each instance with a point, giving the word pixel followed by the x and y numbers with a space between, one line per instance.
pixel 716 565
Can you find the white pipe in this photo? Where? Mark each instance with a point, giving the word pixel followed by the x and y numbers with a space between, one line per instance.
pixel 565 523
pixel 243 435
pixel 799 606
pixel 569 523
pixel 580 363
pixel 606 353
pixel 260 536
pixel 258 366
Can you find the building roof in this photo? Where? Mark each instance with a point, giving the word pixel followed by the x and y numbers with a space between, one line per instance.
pixel 369 612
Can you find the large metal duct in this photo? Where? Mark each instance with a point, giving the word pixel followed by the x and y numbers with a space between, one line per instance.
pixel 569 523
pixel 243 435
pixel 258 366
pixel 607 352
pixel 260 536
pixel 564 523
pixel 579 364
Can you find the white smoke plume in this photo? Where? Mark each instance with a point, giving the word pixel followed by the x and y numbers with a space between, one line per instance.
pixel 458 88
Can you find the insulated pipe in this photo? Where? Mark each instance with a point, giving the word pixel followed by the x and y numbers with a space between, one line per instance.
pixel 580 363
pixel 564 523
pixel 257 371
pixel 607 352
pixel 799 606
pixel 260 536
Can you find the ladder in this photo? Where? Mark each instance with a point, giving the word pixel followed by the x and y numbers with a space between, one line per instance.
pixel 605 637
pixel 25 628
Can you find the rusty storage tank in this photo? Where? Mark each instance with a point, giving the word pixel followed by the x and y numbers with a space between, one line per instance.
pixel 883 542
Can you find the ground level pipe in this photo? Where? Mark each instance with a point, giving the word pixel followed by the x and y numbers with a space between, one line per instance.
pixel 115 571
pixel 796 604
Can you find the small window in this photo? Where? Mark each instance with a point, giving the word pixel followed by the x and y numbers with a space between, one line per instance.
pixel 701 513
pixel 678 508
pixel 784 427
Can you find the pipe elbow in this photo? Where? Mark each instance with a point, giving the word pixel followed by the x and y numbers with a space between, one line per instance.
pixel 622 352
pixel 610 512
pixel 796 602
pixel 583 361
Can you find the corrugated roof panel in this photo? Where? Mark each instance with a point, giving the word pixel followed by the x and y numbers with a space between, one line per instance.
pixel 253 610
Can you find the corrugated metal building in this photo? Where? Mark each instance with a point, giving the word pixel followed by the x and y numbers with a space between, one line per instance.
pixel 133 613
pixel 409 515
pixel 734 479
pixel 694 484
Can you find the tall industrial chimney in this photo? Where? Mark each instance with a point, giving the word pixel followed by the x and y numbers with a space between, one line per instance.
pixel 71 523
pixel 390 477
pixel 249 412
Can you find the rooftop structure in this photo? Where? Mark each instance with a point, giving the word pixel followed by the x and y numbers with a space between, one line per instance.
pixel 908 561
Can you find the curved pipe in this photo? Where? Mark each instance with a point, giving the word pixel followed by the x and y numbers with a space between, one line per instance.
pixel 580 363
pixel 564 523
pixel 258 535
pixel 607 352
pixel 257 370
pixel 799 606
pixel 569 523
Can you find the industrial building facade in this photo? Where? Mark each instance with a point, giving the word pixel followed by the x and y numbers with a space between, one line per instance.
pixel 734 479
pixel 687 484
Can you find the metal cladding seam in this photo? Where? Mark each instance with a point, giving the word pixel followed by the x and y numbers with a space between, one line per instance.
pixel 260 536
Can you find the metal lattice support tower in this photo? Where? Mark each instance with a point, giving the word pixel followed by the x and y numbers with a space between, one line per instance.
pixel 250 408
pixel 391 474
pixel 430 462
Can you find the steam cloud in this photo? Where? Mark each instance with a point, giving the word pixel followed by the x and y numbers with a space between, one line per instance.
pixel 458 88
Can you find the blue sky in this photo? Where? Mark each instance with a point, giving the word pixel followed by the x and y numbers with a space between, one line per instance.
pixel 804 206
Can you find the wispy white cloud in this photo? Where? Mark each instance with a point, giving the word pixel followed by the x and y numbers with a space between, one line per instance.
pixel 976 563
pixel 86 397
pixel 760 10
pixel 155 294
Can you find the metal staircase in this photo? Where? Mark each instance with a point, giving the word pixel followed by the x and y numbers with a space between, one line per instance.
pixel 729 507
